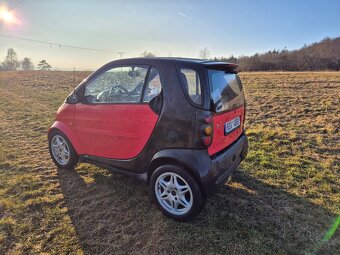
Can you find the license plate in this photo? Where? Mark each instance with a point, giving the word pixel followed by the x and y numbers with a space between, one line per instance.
pixel 232 125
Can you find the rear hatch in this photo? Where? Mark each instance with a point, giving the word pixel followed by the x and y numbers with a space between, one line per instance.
pixel 228 105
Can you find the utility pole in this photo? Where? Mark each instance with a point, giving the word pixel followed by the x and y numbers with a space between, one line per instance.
pixel 121 54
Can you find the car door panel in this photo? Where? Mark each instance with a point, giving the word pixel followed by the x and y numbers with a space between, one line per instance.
pixel 117 131
pixel 113 121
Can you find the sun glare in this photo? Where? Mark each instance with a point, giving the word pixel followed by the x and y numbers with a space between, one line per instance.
pixel 7 16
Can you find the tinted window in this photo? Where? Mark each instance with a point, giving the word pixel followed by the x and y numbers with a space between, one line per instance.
pixel 119 84
pixel 192 84
pixel 226 90
pixel 153 86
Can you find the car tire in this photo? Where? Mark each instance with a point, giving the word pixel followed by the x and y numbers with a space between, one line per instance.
pixel 176 193
pixel 61 150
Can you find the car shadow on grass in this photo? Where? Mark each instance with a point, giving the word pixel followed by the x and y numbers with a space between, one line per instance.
pixel 112 214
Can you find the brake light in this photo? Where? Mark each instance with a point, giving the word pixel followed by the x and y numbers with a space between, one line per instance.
pixel 207 140
pixel 208 120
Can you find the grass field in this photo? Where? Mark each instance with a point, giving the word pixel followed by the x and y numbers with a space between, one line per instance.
pixel 283 200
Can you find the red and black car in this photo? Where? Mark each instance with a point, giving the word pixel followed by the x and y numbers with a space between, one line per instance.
pixel 177 124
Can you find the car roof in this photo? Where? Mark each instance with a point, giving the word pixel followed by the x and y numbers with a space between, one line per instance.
pixel 204 62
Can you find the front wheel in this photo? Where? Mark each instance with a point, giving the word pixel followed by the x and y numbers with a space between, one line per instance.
pixel 176 193
pixel 61 150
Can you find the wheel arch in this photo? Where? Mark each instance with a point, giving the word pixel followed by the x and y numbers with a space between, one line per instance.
pixel 185 159
pixel 68 132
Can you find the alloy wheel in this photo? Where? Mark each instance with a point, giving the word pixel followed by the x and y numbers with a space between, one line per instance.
pixel 60 150
pixel 173 193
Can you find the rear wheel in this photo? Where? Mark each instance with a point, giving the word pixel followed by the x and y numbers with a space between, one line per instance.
pixel 61 150
pixel 176 193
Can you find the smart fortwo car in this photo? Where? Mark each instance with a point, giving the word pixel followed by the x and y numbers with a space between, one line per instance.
pixel 177 124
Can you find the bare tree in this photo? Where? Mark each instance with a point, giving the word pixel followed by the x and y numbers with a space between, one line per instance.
pixel 11 60
pixel 43 65
pixel 204 53
pixel 147 54
pixel 26 64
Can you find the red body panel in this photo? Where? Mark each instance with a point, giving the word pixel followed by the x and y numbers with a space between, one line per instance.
pixel 65 123
pixel 118 131
pixel 221 141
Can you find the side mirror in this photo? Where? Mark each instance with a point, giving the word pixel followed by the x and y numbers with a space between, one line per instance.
pixel 72 99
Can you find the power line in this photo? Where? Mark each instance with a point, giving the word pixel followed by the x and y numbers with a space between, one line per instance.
pixel 60 45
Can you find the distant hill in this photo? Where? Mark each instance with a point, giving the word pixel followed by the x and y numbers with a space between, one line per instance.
pixel 323 55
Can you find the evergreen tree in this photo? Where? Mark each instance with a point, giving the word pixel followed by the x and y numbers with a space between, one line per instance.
pixel 43 65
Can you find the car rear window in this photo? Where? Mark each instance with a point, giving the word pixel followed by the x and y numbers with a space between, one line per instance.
pixel 226 90
pixel 192 85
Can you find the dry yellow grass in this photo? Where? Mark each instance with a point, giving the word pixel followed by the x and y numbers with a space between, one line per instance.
pixel 283 200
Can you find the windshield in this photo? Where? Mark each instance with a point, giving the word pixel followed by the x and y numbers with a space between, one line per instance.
pixel 226 90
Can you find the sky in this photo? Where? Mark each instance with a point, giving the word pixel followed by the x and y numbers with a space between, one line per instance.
pixel 166 28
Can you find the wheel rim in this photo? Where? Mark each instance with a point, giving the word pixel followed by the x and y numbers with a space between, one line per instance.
pixel 60 150
pixel 173 193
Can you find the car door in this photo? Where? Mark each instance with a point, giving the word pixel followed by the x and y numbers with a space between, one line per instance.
pixel 115 120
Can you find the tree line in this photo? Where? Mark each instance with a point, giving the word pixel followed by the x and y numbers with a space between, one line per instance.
pixel 11 63
pixel 320 56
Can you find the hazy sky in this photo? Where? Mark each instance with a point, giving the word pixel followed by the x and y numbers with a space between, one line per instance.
pixel 167 28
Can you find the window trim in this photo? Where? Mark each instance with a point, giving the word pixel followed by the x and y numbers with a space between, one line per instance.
pixel 105 69
pixel 146 83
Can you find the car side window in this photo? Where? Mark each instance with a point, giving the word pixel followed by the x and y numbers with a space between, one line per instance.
pixel 117 85
pixel 192 84
pixel 153 85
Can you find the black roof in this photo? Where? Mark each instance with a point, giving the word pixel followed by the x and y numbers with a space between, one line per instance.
pixel 177 59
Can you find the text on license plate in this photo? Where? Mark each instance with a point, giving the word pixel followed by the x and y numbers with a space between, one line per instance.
pixel 232 125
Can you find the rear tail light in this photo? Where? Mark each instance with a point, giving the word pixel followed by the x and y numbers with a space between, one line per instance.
pixel 208 131
pixel 208 120
pixel 207 140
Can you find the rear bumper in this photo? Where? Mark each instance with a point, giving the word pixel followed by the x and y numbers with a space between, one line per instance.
pixel 224 163
pixel 209 172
